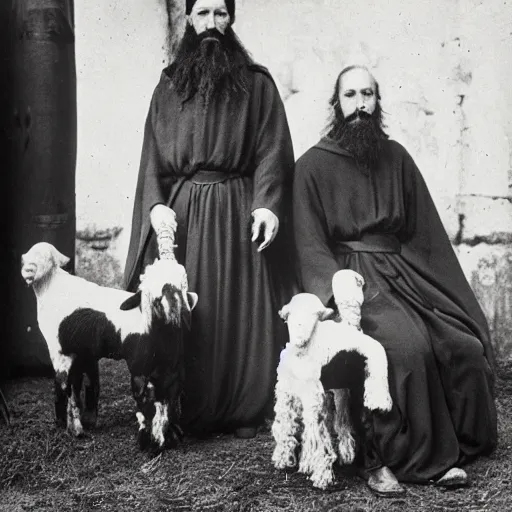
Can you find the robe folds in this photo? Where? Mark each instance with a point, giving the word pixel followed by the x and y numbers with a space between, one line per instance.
pixel 214 165
pixel 418 304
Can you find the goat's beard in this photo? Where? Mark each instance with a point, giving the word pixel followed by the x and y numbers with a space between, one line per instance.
pixel 363 138
pixel 210 64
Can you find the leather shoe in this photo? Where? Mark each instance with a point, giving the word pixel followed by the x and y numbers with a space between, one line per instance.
pixel 246 432
pixel 384 483
pixel 454 477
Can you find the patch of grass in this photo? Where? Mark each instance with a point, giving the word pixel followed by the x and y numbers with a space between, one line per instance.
pixel 42 468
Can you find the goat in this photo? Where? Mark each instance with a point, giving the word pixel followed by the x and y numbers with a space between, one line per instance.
pixel 83 322
pixel 300 408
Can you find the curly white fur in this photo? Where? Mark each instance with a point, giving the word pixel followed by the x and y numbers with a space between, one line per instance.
pixel 300 408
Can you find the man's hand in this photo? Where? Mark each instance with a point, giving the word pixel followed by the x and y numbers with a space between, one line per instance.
pixel 162 216
pixel 264 224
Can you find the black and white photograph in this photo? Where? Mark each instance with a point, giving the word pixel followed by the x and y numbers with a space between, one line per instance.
pixel 257 256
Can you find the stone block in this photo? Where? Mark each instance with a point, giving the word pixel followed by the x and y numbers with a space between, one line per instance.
pixel 488 269
pixel 96 258
pixel 485 219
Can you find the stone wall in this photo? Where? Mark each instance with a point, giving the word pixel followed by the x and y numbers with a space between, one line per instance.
pixel 444 70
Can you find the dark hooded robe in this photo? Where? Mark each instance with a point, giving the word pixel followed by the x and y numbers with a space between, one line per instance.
pixel 418 304
pixel 214 165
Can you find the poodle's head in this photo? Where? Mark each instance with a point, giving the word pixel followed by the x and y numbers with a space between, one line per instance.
pixel 301 315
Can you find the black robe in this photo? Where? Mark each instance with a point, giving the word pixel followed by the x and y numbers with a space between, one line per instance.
pixel 216 166
pixel 418 304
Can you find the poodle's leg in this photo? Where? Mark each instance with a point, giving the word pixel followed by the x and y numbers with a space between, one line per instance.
pixel 376 386
pixel 318 453
pixel 343 426
pixel 285 428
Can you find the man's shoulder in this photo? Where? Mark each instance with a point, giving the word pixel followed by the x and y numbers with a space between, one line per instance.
pixel 316 159
pixel 258 68
pixel 398 150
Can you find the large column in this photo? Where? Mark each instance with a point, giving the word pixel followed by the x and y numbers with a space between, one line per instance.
pixel 42 188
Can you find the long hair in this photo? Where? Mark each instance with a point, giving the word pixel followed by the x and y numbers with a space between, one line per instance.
pixel 210 63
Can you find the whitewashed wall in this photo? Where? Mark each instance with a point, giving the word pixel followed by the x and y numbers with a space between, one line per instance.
pixel 120 52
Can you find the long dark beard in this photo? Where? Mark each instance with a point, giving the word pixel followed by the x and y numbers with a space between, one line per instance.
pixel 363 139
pixel 210 64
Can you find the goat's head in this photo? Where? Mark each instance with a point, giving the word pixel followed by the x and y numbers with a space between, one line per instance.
pixel 40 261
pixel 163 294
pixel 302 314
pixel 347 287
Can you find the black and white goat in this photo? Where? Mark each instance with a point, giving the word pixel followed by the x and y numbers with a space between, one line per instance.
pixel 83 322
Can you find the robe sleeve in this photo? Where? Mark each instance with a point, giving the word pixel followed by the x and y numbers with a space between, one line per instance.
pixel 429 250
pixel 316 260
pixel 274 151
pixel 150 164
pixel 150 190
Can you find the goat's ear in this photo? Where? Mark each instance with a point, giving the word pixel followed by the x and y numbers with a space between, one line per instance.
pixel 59 258
pixel 284 313
pixel 325 314
pixel 360 280
pixel 131 302
pixel 192 299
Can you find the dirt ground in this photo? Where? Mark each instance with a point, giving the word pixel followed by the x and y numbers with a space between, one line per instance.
pixel 43 469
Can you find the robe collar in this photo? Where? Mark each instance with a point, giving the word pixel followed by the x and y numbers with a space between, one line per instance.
pixel 330 145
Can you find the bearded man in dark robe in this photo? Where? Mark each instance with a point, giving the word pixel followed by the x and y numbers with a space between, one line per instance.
pixel 217 150
pixel 360 202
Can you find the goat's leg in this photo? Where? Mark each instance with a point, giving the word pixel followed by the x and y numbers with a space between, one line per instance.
pixel 138 385
pixel 92 393
pixel 285 428
pixel 61 401
pixel 159 426
pixel 74 390
pixel 343 427
pixel 61 365
pixel 318 453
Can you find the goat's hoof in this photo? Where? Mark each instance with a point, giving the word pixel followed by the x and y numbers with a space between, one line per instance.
pixel 143 439
pixel 76 430
pixel 60 422
pixel 174 436
pixel 89 419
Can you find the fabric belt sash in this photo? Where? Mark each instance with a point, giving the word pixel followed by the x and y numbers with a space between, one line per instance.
pixel 204 176
pixel 370 243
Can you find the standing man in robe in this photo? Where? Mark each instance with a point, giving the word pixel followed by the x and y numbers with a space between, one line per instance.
pixel 217 149
pixel 360 202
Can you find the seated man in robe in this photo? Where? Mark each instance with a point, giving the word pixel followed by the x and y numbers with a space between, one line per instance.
pixel 360 202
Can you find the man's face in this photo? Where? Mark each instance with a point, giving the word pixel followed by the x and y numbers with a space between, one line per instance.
pixel 357 93
pixel 209 14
